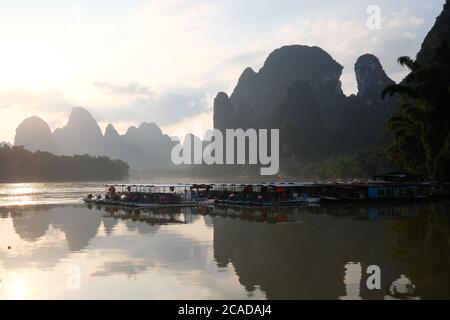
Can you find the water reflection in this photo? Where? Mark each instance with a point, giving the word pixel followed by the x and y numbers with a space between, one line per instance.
pixel 155 217
pixel 12 194
pixel 352 281
pixel 402 288
pixel 224 252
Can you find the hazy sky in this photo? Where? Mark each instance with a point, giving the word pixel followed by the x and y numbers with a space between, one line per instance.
pixel 163 61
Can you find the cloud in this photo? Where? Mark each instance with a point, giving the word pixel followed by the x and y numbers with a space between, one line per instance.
pixel 163 45
pixel 46 100
pixel 402 20
pixel 128 267
pixel 347 39
pixel 133 88
pixel 129 104
pixel 139 104
pixel 18 104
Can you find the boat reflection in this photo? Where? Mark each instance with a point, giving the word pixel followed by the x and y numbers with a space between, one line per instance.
pixel 227 252
pixel 175 215
pixel 153 217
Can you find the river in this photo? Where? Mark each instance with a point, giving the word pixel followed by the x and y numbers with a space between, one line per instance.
pixel 52 246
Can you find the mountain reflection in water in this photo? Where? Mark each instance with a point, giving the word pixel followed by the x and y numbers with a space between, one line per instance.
pixel 225 252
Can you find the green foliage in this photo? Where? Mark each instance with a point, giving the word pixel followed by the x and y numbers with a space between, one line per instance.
pixel 20 165
pixel 366 162
pixel 421 124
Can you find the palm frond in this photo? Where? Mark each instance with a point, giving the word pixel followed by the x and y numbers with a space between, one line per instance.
pixel 406 61
pixel 401 89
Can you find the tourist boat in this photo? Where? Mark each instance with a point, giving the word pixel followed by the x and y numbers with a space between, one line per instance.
pixel 262 194
pixel 200 194
pixel 265 194
pixel 155 196
pixel 308 199
pixel 149 196
pixel 206 202
pixel 138 204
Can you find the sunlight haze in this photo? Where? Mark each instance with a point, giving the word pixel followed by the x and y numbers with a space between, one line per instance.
pixel 164 61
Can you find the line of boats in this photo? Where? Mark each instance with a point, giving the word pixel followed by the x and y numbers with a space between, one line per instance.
pixel 262 194
pixel 185 195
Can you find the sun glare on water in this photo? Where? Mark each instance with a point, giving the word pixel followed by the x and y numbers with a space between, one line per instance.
pixel 18 194
pixel 19 290
pixel 21 190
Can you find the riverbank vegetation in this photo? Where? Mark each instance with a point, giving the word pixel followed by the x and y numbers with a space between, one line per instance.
pixel 20 165
pixel 421 123
pixel 418 132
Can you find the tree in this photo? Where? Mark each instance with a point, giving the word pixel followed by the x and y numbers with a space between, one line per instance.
pixel 421 124
pixel 20 165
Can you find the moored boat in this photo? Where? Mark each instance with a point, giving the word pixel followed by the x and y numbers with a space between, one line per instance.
pixel 265 194
pixel 152 196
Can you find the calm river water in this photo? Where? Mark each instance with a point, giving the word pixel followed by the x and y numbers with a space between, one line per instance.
pixel 54 247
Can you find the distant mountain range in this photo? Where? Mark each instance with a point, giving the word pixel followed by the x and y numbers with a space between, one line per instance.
pixel 144 147
pixel 297 90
